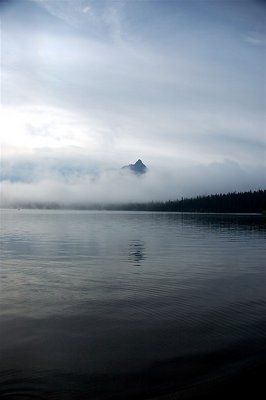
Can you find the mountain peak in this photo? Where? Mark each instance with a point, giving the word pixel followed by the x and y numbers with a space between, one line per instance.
pixel 138 168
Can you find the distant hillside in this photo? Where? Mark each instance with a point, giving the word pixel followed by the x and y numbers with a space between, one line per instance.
pixel 138 168
pixel 245 202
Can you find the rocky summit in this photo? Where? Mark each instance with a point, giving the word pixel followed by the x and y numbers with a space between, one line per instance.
pixel 138 168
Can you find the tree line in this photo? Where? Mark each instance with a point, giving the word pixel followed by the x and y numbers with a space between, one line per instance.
pixel 241 202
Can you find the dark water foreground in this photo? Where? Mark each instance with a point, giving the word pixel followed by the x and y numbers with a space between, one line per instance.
pixel 132 305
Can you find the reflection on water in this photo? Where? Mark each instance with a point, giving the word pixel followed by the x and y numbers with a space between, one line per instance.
pixel 77 321
pixel 136 252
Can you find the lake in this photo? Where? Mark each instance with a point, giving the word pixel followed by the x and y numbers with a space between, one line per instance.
pixel 127 305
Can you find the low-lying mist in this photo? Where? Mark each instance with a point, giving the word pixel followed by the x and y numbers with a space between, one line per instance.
pixel 122 186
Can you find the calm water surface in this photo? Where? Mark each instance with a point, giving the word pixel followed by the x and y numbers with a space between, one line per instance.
pixel 116 305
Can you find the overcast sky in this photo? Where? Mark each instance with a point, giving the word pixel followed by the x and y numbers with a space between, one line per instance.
pixel 88 86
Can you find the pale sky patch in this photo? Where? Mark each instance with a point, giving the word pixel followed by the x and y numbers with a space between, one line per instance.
pixel 90 86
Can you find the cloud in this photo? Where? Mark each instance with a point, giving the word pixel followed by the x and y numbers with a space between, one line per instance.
pixel 257 39
pixel 97 85
pixel 81 186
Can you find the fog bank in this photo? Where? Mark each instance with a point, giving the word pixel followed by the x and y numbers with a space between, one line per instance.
pixel 120 186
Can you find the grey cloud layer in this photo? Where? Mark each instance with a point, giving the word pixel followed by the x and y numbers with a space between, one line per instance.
pixel 174 83
pixel 116 186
